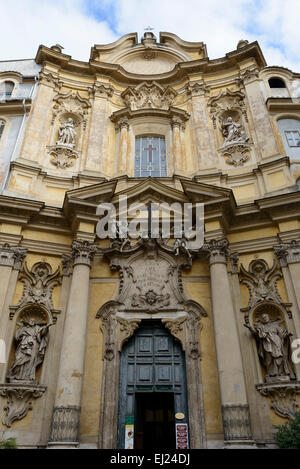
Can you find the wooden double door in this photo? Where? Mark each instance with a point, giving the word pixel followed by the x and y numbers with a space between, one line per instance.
pixel 152 394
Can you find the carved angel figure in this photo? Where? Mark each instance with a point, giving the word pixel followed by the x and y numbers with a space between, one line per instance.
pixel 120 237
pixel 180 244
pixel 67 133
pixel 233 132
pixel 273 347
pixel 32 341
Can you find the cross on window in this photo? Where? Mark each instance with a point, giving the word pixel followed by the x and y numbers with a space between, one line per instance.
pixel 150 149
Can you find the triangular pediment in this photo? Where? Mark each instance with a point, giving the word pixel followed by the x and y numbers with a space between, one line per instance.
pixel 143 190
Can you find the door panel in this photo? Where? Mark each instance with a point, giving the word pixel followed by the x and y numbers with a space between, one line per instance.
pixel 151 362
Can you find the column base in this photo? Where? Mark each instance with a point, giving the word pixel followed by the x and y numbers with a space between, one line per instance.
pixel 63 445
pixel 240 444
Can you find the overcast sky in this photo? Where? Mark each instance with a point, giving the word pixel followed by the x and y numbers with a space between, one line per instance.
pixel 79 24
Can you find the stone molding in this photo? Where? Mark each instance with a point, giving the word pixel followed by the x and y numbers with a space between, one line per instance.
pixel 149 95
pixel 39 283
pixel 66 260
pixel 65 424
pixel 120 318
pixel 71 103
pixel 101 90
pixel 236 422
pixel 217 251
pixel 282 396
pixel 261 282
pixel 83 252
pixel 61 156
pixel 19 400
pixel 127 113
pixel 288 253
pixel 195 89
pixel 12 256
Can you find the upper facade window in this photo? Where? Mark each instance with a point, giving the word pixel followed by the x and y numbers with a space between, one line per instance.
pixel 2 125
pixel 293 138
pixel 290 134
pixel 150 157
pixel 276 83
pixel 6 89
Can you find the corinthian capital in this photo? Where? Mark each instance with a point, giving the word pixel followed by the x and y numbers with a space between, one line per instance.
pixel 217 251
pixel 12 256
pixel 83 252
pixel 288 253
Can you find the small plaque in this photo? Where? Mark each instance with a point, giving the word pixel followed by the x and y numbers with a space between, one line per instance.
pixel 179 416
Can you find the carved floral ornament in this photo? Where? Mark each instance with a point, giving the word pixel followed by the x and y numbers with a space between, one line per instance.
pixel 265 319
pixel 149 95
pixel 150 284
pixel 39 283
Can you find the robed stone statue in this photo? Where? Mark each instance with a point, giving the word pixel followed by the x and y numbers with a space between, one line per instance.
pixel 32 340
pixel 273 348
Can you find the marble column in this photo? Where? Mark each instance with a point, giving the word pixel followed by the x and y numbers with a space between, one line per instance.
pixel 235 410
pixel 66 413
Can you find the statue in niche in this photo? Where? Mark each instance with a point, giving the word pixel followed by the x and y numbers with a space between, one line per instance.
pixel 32 339
pixel 273 348
pixel 67 134
pixel 233 132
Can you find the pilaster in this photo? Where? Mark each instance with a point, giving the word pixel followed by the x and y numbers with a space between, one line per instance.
pixel 66 413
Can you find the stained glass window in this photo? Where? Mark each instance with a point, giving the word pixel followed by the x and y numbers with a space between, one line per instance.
pixel 150 157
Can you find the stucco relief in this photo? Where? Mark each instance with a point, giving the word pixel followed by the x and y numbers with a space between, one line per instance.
pixel 149 95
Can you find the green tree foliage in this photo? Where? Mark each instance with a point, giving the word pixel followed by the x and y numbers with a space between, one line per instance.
pixel 287 436
pixel 10 443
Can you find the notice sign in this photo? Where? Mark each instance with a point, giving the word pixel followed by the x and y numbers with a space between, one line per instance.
pixel 182 441
pixel 129 431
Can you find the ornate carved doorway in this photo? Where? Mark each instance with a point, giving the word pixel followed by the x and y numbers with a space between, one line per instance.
pixel 152 388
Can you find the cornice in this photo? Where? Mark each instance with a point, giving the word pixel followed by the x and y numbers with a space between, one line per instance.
pixel 282 104
pixel 180 71
pixel 15 106
pixel 168 114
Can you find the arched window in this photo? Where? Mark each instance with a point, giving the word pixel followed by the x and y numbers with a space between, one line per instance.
pixel 150 157
pixel 298 183
pixel 2 125
pixel 6 89
pixel 276 83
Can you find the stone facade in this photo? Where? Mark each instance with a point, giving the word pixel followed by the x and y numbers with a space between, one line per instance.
pixel 229 144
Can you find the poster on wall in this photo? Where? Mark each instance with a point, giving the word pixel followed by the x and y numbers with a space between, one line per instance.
pixel 129 431
pixel 182 441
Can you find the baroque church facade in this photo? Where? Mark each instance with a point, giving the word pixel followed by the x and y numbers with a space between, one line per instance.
pixel 145 343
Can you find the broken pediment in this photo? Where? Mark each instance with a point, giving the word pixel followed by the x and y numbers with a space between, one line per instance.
pixel 149 57
pixel 149 95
